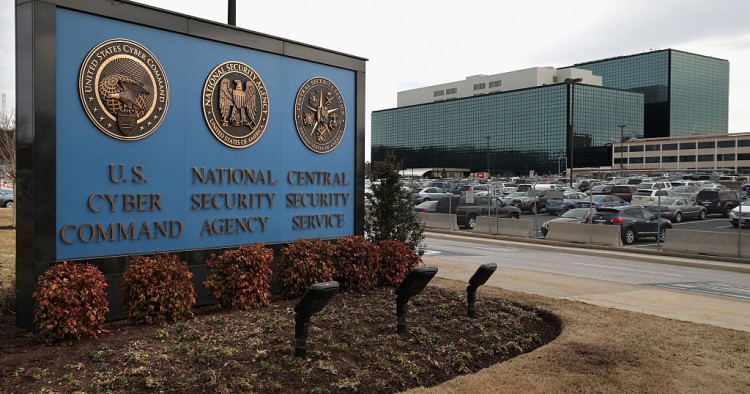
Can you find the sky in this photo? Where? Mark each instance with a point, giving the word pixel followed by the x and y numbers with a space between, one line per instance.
pixel 411 44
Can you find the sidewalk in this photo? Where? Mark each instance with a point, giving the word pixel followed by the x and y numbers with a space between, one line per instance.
pixel 673 304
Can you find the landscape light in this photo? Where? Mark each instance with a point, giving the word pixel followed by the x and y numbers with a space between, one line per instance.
pixel 479 278
pixel 414 282
pixel 313 301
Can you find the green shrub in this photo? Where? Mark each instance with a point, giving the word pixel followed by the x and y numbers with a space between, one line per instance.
pixel 157 288
pixel 70 302
pixel 241 277
pixel 305 262
pixel 356 262
pixel 396 259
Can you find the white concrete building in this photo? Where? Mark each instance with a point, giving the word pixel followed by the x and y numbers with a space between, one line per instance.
pixel 484 84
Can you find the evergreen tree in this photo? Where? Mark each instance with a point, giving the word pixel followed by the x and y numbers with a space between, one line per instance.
pixel 392 215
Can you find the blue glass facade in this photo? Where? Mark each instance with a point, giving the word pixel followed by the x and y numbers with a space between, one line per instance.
pixel 527 129
pixel 684 93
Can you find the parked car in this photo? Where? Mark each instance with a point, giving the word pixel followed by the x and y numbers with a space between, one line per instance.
pixel 648 196
pixel 577 215
pixel 525 201
pixel 624 191
pixel 426 206
pixel 718 201
pixel 467 212
pixel 678 208
pixel 734 214
pixel 685 191
pixel 555 205
pixel 654 185
pixel 7 198
pixel 635 222
pixel 602 200
pixel 429 193
pixel 599 189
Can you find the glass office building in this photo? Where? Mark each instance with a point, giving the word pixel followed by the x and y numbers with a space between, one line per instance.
pixel 684 94
pixel 513 132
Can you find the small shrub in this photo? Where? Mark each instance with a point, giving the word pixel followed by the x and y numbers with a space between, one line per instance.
pixel 356 262
pixel 241 277
pixel 304 262
pixel 157 288
pixel 396 259
pixel 70 302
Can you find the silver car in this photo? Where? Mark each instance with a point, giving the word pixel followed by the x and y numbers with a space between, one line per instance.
pixel 429 194
pixel 7 198
pixel 678 208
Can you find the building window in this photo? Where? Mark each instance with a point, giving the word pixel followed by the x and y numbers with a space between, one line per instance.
pixel 705 157
pixel 706 145
pixel 653 159
pixel 653 148
pixel 636 160
pixel 743 156
pixel 687 159
pixel 636 148
pixel 619 149
pixel 624 160
pixel 669 147
pixel 687 145
pixel 726 144
pixel 494 84
pixel 725 157
pixel 743 142
pixel 450 91
pixel 479 86
pixel 438 93
pixel 668 159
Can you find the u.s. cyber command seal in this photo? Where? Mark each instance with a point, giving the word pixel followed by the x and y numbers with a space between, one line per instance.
pixel 235 104
pixel 124 89
pixel 320 115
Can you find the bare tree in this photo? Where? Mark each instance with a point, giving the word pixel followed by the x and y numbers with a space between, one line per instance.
pixel 8 151
pixel 8 146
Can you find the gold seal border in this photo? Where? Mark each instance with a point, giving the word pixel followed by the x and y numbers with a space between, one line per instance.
pixel 300 133
pixel 82 95
pixel 258 86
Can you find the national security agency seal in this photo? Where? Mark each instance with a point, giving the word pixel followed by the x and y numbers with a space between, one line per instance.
pixel 235 104
pixel 123 89
pixel 320 115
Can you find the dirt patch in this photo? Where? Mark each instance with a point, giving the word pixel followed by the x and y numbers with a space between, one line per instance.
pixel 352 346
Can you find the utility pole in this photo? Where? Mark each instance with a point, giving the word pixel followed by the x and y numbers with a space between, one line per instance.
pixel 571 112
pixel 232 14
pixel 622 144
pixel 488 156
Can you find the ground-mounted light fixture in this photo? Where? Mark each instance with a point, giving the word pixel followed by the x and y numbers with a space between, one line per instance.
pixel 479 278
pixel 414 282
pixel 313 301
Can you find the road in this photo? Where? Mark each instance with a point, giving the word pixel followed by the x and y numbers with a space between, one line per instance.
pixel 694 294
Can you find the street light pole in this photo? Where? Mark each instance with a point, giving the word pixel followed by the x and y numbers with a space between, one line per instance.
pixel 488 156
pixel 622 143
pixel 571 91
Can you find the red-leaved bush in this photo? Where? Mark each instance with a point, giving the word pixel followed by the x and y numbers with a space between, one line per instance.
pixel 304 262
pixel 157 288
pixel 71 302
pixel 396 259
pixel 241 277
pixel 356 262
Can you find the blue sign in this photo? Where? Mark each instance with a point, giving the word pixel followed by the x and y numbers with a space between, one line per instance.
pixel 156 178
